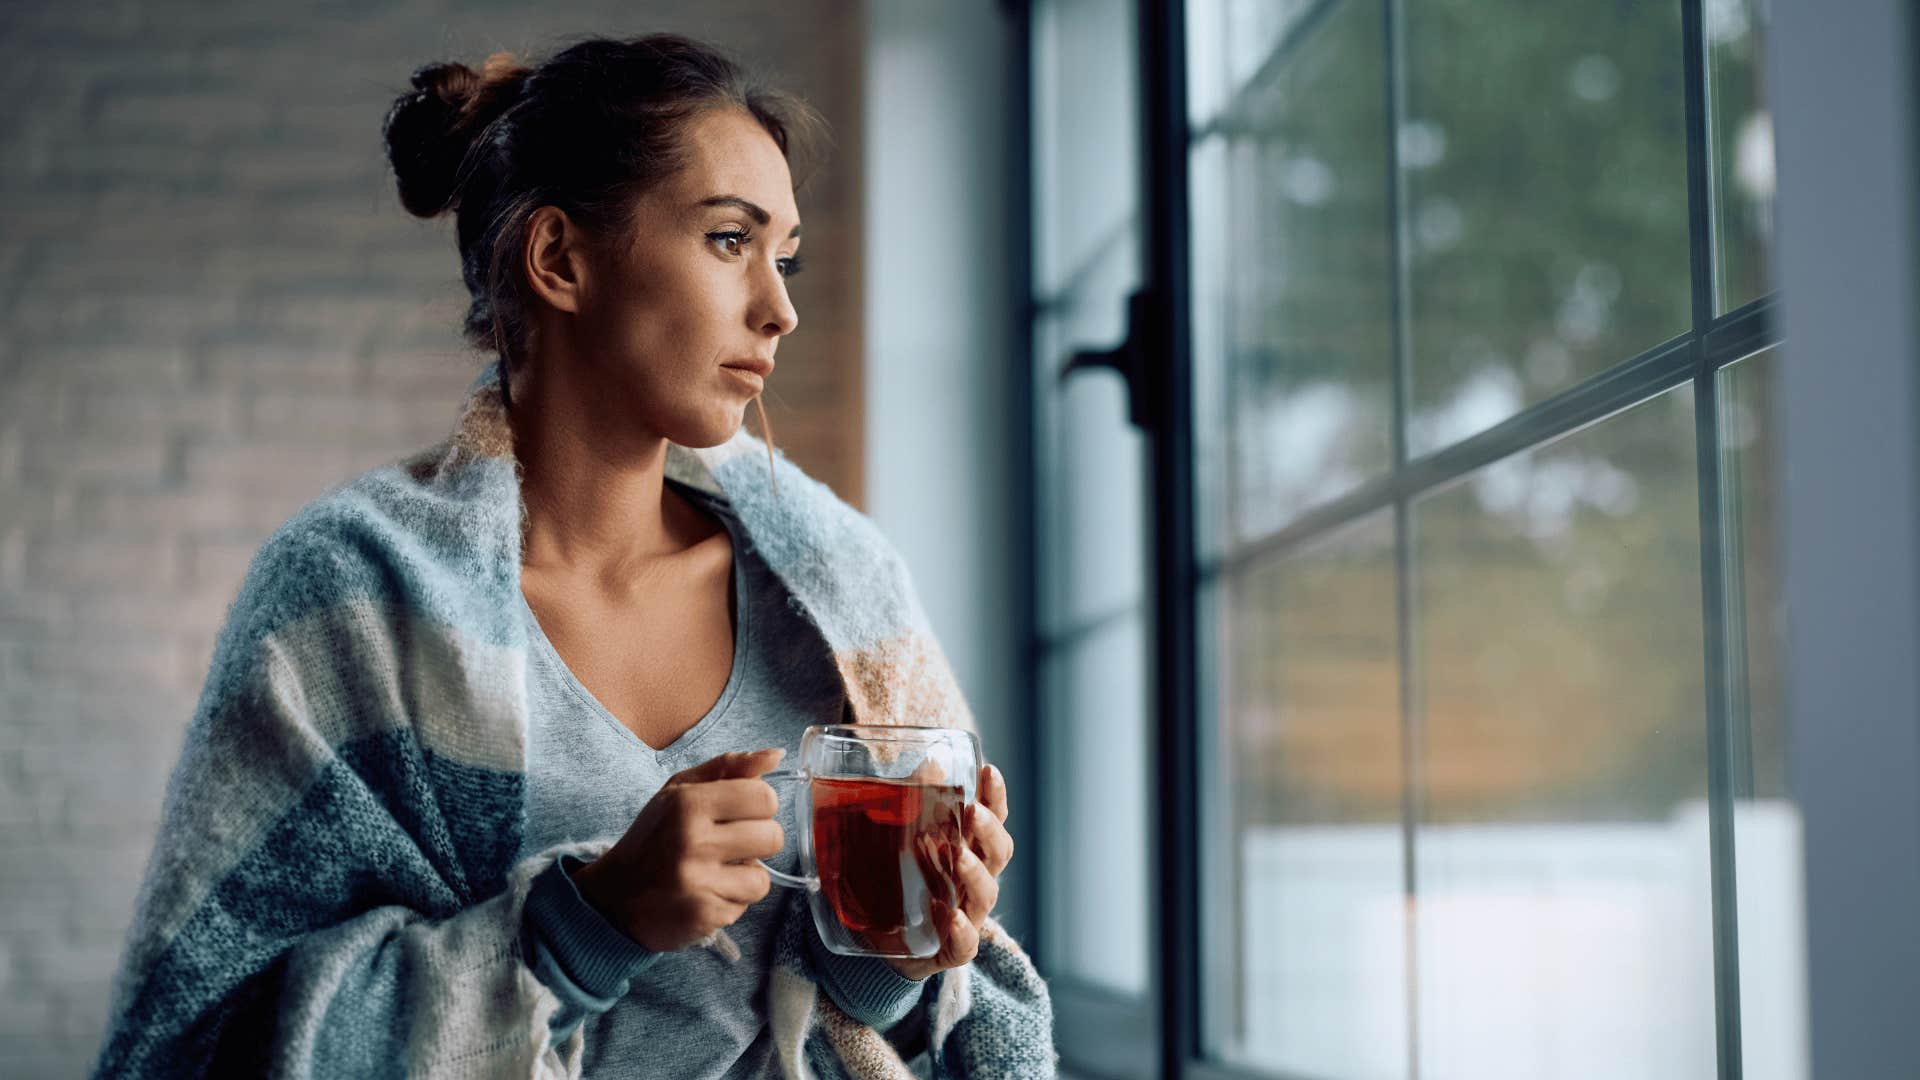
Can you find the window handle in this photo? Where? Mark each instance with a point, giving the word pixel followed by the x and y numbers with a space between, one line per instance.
pixel 1128 358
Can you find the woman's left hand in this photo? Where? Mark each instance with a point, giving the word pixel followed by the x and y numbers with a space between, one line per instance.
pixel 986 853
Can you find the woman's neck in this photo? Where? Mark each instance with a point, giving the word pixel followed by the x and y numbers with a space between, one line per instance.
pixel 597 502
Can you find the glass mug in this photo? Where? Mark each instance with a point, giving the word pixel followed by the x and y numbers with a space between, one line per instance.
pixel 881 816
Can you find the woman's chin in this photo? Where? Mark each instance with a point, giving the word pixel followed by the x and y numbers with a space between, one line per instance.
pixel 712 430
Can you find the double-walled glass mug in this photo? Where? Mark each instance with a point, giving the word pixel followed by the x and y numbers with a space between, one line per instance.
pixel 881 815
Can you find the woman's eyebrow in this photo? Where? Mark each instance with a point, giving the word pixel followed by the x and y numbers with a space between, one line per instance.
pixel 753 209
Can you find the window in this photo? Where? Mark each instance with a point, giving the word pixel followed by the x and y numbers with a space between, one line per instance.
pixel 1092 656
pixel 1489 765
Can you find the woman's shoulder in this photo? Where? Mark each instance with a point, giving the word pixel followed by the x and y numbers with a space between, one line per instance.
pixel 792 515
pixel 391 537
pixel 830 555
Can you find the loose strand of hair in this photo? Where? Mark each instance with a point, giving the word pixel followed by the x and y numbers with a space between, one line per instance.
pixel 766 436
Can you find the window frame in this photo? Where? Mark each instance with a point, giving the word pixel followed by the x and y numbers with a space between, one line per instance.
pixel 1097 1031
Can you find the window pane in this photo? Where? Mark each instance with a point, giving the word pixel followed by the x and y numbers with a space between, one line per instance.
pixel 1292 271
pixel 1307 966
pixel 1091 521
pixel 1086 209
pixel 1544 157
pixel 1095 727
pixel 1563 928
pixel 1742 150
pixel 1086 137
pixel 1091 479
pixel 1767 846
pixel 1228 41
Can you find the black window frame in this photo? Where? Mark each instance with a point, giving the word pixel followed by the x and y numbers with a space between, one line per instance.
pixel 1115 1037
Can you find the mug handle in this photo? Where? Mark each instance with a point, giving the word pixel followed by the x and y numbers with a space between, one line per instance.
pixel 791 881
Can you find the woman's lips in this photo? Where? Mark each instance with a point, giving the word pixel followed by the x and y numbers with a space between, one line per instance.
pixel 757 366
pixel 746 376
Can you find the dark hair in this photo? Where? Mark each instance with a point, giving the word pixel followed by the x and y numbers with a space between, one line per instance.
pixel 589 129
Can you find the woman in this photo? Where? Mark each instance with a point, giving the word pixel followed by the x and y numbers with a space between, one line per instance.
pixel 473 787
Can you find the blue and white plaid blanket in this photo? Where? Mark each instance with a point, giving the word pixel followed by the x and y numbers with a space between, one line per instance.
pixel 333 890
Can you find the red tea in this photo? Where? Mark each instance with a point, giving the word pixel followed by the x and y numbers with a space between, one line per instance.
pixel 884 849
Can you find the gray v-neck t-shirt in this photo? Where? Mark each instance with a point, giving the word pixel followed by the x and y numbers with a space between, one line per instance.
pixel 691 1013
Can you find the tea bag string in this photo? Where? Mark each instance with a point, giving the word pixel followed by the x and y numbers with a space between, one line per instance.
pixel 723 944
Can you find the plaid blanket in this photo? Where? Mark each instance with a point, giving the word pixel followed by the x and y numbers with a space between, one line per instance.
pixel 333 891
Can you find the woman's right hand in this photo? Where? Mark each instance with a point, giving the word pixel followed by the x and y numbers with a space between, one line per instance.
pixel 685 867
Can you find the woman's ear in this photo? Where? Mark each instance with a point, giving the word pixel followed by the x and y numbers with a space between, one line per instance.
pixel 556 259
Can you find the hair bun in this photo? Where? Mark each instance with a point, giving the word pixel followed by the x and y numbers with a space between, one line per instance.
pixel 430 128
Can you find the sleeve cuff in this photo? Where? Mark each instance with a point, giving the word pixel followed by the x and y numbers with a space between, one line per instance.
pixel 865 987
pixel 575 943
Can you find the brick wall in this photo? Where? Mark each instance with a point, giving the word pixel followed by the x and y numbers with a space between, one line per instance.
pixel 214 309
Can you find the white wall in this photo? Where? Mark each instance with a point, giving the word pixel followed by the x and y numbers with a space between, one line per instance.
pixel 941 361
pixel 1844 115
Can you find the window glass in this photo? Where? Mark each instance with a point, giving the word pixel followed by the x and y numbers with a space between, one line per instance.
pixel 1308 782
pixel 1503 867
pixel 1742 132
pixel 1095 927
pixel 1292 314
pixel 1545 164
pixel 1090 474
pixel 1767 837
pixel 1086 137
pixel 1230 42
pixel 1090 522
pixel 1563 926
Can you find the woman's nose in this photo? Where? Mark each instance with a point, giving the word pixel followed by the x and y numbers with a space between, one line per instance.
pixel 773 308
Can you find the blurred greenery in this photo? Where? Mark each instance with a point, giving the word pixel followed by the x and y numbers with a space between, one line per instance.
pixel 1558 620
pixel 1742 138
pixel 1305 310
pixel 1560 197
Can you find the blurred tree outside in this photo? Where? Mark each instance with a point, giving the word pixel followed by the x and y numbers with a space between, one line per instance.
pixel 1557 623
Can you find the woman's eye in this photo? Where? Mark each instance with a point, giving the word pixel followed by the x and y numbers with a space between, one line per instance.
pixel 732 243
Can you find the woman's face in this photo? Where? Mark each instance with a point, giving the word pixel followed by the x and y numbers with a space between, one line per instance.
pixel 679 325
